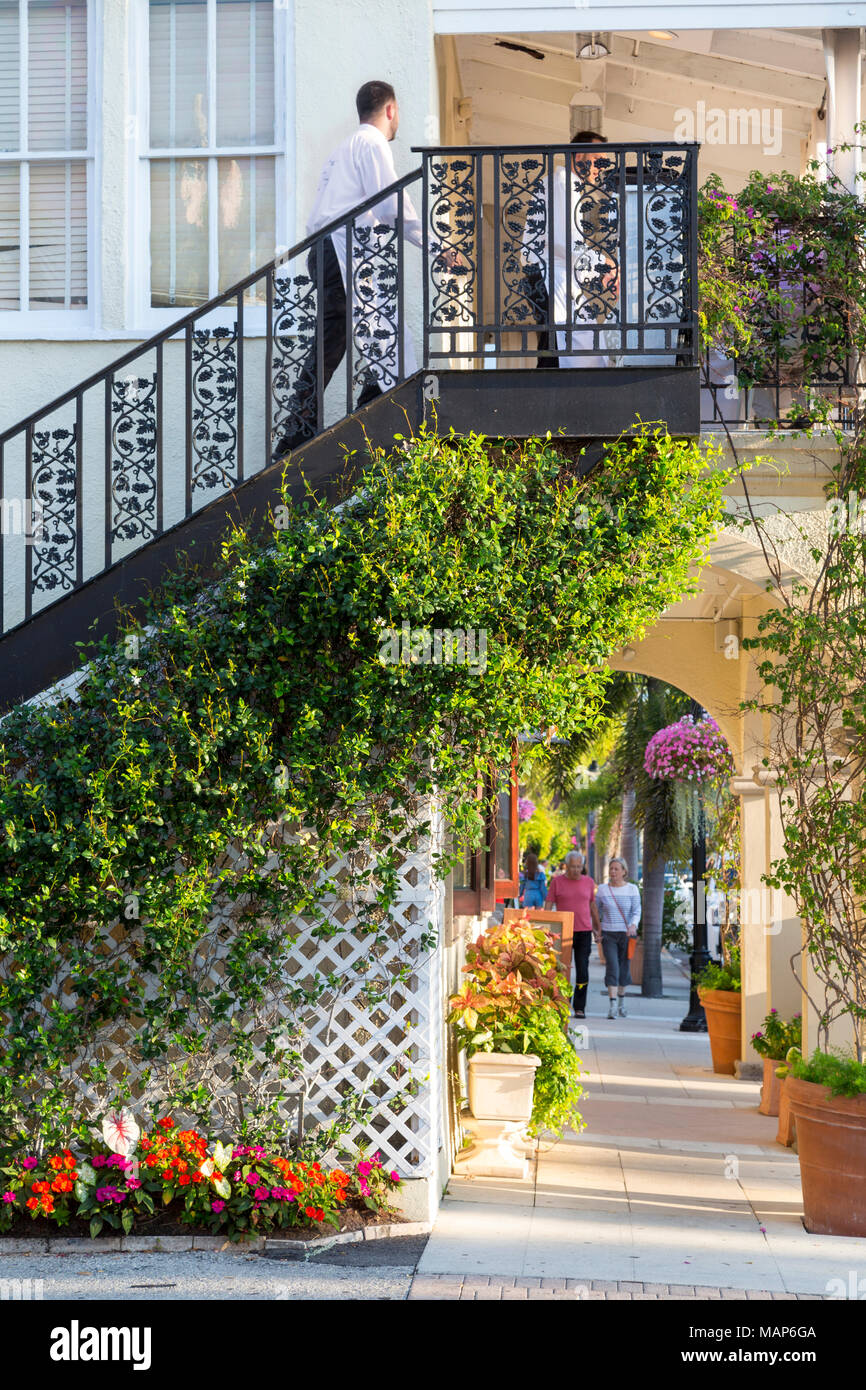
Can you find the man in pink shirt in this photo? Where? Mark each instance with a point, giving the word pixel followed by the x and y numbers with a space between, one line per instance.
pixel 574 891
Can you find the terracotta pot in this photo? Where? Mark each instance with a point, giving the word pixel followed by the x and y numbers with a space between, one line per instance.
pixel 831 1145
pixel 771 1089
pixel 723 1008
pixel 785 1132
pixel 501 1085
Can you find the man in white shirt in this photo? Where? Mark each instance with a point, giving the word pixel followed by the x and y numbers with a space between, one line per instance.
pixel 359 167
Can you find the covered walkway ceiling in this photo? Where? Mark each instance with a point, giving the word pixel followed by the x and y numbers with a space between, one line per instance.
pixel 521 85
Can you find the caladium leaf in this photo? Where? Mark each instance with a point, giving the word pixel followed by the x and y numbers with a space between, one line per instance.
pixel 223 1186
pixel 222 1156
pixel 120 1131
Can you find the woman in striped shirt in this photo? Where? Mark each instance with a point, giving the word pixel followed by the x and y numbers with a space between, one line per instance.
pixel 619 907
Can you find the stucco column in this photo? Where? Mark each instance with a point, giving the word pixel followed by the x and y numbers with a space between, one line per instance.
pixel 754 910
pixel 784 939
pixel 843 62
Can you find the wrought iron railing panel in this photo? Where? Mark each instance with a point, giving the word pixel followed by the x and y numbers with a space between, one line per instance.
pixel 185 417
pixel 583 254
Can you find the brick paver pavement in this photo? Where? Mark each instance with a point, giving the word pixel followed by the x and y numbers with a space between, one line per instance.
pixel 475 1288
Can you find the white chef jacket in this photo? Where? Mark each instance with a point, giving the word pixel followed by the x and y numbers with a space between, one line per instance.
pixel 586 260
pixel 359 167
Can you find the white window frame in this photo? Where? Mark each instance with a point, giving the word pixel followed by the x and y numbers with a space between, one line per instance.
pixel 60 323
pixel 142 316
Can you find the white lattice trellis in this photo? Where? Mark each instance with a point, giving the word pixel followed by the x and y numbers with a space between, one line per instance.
pixel 350 1043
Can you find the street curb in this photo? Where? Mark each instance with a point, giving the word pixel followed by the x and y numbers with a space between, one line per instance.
pixel 281 1249
pixel 270 1247
pixel 126 1245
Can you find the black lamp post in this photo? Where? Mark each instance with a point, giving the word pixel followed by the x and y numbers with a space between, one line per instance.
pixel 695 1020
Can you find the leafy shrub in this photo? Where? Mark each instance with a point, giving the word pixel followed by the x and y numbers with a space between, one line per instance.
pixel 777 1037
pixel 720 976
pixel 842 1075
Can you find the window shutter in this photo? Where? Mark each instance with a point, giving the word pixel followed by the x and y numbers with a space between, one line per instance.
pixel 58 235
pixel 10 236
pixel 57 75
pixel 178 74
pixel 9 96
pixel 245 72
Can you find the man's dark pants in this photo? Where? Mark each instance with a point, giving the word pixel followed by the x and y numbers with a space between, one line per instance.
pixel 304 416
pixel 581 947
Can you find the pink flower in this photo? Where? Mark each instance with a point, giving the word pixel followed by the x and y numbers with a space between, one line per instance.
pixel 29 1162
pixel 364 1169
pixel 253 1179
pixel 9 1196
pixel 236 1175
pixel 133 1183
pixel 394 1175
pixel 261 1194
pixel 365 1189
pixel 217 1206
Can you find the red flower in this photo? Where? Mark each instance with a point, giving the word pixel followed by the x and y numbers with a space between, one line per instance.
pixel 167 1175
pixel 184 1179
pixel 166 1122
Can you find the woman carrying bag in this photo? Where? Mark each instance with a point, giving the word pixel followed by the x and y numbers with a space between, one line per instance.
pixel 619 909
pixel 532 888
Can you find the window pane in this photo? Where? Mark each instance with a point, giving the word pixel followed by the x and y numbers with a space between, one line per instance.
pixel 178 74
pixel 246 221
pixel 57 75
pixel 245 72
pixel 463 872
pixel 10 258
pixel 9 124
pixel 178 232
pixel 58 235
pixel 504 866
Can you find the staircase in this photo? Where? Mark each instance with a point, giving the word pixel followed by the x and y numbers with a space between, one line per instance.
pixel 153 457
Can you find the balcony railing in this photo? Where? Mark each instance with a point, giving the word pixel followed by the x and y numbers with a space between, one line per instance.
pixel 591 248
pixel 567 256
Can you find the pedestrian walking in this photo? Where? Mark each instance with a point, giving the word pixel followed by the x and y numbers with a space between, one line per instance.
pixel 532 885
pixel 574 891
pixel 360 167
pixel 619 908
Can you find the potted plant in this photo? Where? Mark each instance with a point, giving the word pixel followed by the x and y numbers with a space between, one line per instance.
pixel 773 1042
pixel 786 1132
pixel 511 1020
pixel 827 1094
pixel 719 990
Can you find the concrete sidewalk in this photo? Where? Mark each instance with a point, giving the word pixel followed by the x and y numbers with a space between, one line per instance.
pixel 676 1188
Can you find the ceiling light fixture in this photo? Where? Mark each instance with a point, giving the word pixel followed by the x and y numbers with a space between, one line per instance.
pixel 593 45
pixel 663 34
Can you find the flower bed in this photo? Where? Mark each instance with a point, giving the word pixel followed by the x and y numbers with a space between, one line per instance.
pixel 174 1179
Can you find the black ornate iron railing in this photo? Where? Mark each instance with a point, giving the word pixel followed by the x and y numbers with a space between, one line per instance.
pixel 792 365
pixel 135 449
pixel 593 248
pixel 571 256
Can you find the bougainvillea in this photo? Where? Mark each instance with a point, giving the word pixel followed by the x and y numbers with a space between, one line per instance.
pixel 689 751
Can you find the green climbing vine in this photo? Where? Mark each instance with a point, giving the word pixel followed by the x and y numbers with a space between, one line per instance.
pixel 168 831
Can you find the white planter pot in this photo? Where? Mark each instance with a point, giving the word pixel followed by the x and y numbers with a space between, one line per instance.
pixel 501 1085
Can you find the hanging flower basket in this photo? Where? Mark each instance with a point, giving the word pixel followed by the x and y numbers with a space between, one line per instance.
pixel 525 808
pixel 689 751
